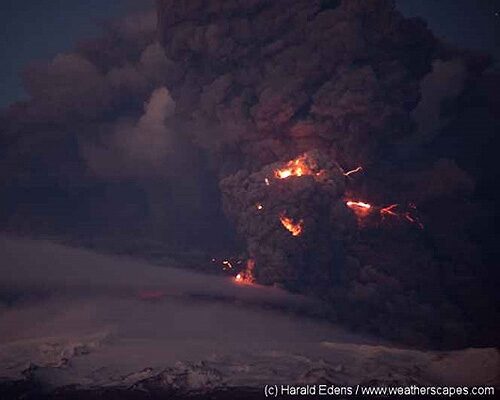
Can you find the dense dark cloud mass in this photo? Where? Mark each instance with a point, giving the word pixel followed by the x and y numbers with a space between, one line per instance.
pixel 334 79
pixel 97 145
pixel 258 203
pixel 367 87
pixel 445 81
pixel 147 131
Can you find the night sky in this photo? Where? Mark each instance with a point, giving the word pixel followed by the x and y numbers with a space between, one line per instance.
pixel 39 30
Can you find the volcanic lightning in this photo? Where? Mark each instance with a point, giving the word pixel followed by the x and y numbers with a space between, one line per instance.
pixel 413 220
pixel 388 210
pixel 362 209
pixel 353 171
pixel 358 204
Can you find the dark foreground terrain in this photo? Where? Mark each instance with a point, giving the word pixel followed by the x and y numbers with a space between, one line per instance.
pixel 139 331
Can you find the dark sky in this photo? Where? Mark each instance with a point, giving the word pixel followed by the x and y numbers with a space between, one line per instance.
pixel 467 23
pixel 34 29
pixel 39 29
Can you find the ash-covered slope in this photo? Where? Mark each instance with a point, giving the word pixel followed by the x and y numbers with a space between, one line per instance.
pixel 83 323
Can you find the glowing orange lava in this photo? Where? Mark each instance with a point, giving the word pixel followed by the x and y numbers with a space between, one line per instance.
pixel 297 167
pixel 294 228
pixel 246 276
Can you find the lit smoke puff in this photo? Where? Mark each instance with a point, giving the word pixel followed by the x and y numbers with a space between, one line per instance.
pixel 293 219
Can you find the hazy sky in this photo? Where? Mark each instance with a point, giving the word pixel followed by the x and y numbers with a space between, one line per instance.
pixel 34 29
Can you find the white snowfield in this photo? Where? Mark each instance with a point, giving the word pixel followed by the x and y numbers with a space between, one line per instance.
pixel 71 316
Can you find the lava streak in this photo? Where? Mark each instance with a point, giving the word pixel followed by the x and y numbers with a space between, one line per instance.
pixel 294 228
pixel 297 167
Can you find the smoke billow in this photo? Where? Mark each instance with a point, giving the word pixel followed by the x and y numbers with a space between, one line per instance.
pixel 98 150
pixel 446 81
pixel 262 84
pixel 261 205
pixel 136 149
pixel 311 75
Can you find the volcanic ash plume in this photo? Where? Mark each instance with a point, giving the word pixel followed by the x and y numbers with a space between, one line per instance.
pixel 277 93
pixel 292 216
pixel 321 121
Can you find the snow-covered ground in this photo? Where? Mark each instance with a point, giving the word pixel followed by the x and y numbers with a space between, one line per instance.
pixel 72 317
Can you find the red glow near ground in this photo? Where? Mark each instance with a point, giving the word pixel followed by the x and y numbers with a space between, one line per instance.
pixel 151 295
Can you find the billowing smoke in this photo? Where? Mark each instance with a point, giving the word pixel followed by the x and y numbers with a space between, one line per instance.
pixel 159 127
pixel 446 81
pixel 136 149
pixel 99 77
pixel 279 80
pixel 293 225
pixel 98 150
pixel 348 84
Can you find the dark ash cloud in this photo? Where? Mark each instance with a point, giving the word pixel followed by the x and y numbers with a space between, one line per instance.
pixel 181 118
